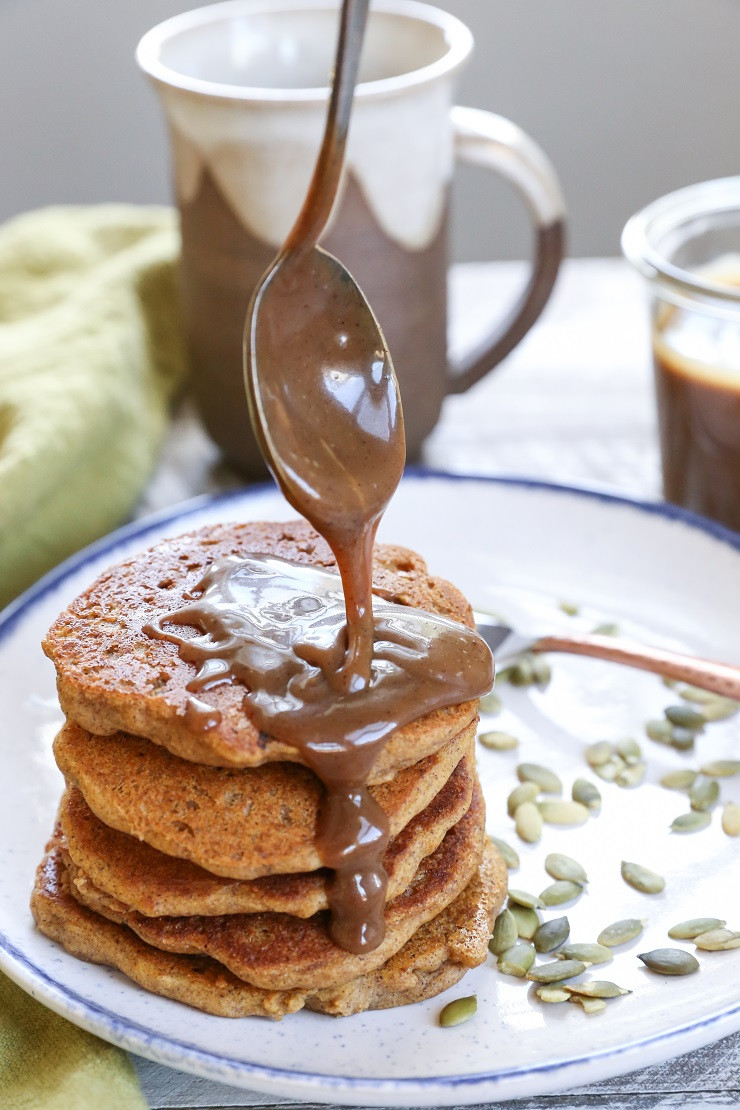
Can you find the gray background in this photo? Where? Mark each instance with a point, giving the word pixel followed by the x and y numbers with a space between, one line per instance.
pixel 630 99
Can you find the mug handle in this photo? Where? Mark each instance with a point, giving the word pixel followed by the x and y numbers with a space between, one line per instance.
pixel 485 139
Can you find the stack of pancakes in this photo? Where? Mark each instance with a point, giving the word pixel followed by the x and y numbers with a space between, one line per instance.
pixel 185 856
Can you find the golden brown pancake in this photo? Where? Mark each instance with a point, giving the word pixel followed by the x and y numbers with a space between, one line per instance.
pixel 279 952
pixel 238 823
pixel 157 885
pixel 112 677
pixel 435 957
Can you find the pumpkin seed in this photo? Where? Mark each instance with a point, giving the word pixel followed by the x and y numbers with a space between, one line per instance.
pixel 620 932
pixel 590 1005
pixel 518 960
pixel 556 971
pixel 563 890
pixel 563 813
pixel 569 608
pixel 670 683
pixel 683 779
pixel 721 768
pixel 704 794
pixel 498 741
pixel 659 730
pixel 551 994
pixel 527 921
pixel 505 933
pixel 629 749
pixel 524 898
pixel 524 792
pixel 598 753
pixel 717 940
pixel 694 821
pixel 721 709
pixel 609 628
pixel 507 853
pixel 683 716
pixel 694 927
pixel 522 672
pixel 546 779
pixel 632 775
pixel 587 953
pixel 682 739
pixel 641 878
pixel 455 1013
pixel 551 934
pixel 609 771
pixel 696 694
pixel 731 819
pixel 669 961
pixel 491 705
pixel 528 822
pixel 586 793
pixel 559 866
pixel 596 988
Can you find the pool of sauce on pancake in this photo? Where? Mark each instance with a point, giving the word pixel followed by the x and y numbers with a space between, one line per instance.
pixel 324 668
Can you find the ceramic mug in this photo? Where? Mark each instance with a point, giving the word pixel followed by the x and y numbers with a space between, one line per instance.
pixel 244 86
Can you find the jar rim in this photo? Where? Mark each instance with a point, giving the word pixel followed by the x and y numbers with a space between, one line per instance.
pixel 644 232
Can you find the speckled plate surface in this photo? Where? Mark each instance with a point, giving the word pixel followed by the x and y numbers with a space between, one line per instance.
pixel 516 548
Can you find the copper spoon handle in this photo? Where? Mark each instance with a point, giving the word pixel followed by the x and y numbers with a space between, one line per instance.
pixel 720 678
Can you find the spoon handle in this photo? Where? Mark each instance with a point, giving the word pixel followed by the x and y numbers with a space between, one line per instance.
pixel 720 678
pixel 322 191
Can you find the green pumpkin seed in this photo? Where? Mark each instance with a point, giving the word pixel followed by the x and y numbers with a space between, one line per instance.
pixel 507 853
pixel 491 705
pixel 696 695
pixel 682 739
pixel 517 960
pixel 717 940
pixel 620 932
pixel 498 741
pixel 590 1005
pixel 551 994
pixel 559 866
pixel 528 822
pixel 694 927
pixel 721 768
pixel 704 794
pixel 683 716
pixel 596 988
pixel 524 898
pixel 455 1013
pixel 569 608
pixel 598 753
pixel 563 813
pixel 546 779
pixel 586 793
pixel 609 771
pixel 720 710
pixel 632 775
pixel 694 821
pixel 669 683
pixel 660 730
pixel 682 779
pixel 669 961
pixel 527 921
pixel 731 819
pixel 563 890
pixel 609 628
pixel 641 878
pixel 556 971
pixel 522 672
pixel 629 749
pixel 586 953
pixel 524 792
pixel 541 670
pixel 551 934
pixel 505 933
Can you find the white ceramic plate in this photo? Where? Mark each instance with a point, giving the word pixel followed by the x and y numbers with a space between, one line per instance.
pixel 517 548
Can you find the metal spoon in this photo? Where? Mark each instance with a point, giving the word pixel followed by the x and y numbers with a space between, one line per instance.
pixel 323 396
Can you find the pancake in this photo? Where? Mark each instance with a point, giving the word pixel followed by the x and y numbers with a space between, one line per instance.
pixel 241 824
pixel 112 677
pixel 157 885
pixel 435 958
pixel 279 952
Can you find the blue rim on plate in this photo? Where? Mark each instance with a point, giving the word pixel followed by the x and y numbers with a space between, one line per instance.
pixel 137 1038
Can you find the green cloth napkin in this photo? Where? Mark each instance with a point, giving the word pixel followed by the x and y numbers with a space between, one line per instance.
pixel 91 352
pixel 46 1063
